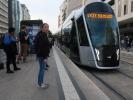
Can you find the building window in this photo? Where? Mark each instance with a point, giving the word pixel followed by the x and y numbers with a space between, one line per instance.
pixel 131 6
pixel 119 8
pixel 125 9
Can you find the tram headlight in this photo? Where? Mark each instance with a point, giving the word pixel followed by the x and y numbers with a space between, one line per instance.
pixel 97 53
pixel 117 52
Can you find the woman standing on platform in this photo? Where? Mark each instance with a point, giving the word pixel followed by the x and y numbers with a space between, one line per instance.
pixel 10 48
pixel 42 50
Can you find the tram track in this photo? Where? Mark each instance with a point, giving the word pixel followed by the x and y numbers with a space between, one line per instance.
pixel 104 77
pixel 109 87
pixel 125 70
pixel 127 62
pixel 117 84
pixel 125 74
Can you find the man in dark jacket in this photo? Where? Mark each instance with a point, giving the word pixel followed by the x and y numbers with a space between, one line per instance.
pixel 24 42
pixel 10 49
pixel 42 50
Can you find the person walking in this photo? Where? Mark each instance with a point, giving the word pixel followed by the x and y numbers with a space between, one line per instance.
pixel 2 53
pixel 24 43
pixel 10 48
pixel 42 47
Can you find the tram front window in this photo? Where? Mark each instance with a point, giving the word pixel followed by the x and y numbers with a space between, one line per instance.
pixel 103 29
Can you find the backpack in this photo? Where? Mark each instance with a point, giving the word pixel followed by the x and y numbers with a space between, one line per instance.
pixel 4 39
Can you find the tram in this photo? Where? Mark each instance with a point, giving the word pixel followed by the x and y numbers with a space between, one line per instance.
pixel 90 36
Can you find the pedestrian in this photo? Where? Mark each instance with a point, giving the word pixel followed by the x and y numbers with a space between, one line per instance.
pixel 2 53
pixel 53 39
pixel 126 41
pixel 18 57
pixel 122 43
pixel 50 38
pixel 24 42
pixel 42 44
pixel 130 41
pixel 10 48
pixel 2 58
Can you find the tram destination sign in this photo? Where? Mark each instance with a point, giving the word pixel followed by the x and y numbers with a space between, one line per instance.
pixel 100 16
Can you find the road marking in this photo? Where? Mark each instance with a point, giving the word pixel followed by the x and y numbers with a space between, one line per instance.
pixel 67 85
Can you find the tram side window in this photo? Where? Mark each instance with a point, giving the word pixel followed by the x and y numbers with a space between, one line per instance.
pixel 66 35
pixel 82 32
pixel 74 41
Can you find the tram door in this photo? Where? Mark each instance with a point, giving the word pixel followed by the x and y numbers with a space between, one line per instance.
pixel 74 49
pixel 86 55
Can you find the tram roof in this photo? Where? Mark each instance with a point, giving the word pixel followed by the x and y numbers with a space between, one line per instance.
pixel 78 12
pixel 75 14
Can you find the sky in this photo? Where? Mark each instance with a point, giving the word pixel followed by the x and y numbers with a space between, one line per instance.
pixel 47 10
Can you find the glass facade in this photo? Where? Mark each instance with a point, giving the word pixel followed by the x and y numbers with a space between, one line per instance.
pixel 14 14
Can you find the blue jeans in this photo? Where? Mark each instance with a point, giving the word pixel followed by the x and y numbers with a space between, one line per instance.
pixel 41 74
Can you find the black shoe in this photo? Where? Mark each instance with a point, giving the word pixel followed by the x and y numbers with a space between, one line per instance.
pixel 17 62
pixel 47 65
pixel 17 69
pixel 9 72
pixel 24 60
pixel 46 68
pixel 1 66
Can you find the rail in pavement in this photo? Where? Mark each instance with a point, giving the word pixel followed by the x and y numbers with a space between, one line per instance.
pixel 127 56
pixel 82 83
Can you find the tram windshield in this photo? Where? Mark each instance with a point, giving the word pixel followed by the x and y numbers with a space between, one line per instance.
pixel 103 28
pixel 102 24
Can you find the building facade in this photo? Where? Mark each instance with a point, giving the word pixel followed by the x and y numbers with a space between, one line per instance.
pixel 66 8
pixel 76 4
pixel 17 13
pixel 25 12
pixel 3 16
pixel 62 16
pixel 124 12
pixel 69 5
pixel 14 14
pixel 72 5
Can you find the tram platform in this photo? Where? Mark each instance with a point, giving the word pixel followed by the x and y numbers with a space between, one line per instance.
pixel 127 56
pixel 66 81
